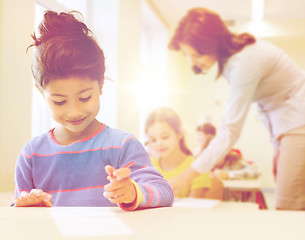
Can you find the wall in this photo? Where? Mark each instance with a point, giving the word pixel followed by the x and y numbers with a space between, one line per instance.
pixel 103 18
pixel 17 21
pixel 128 65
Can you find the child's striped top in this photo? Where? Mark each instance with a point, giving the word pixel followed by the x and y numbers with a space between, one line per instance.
pixel 75 174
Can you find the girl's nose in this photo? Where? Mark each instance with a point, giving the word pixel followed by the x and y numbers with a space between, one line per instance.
pixel 74 111
pixel 159 143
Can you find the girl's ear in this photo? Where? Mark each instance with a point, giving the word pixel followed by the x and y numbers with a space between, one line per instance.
pixel 100 88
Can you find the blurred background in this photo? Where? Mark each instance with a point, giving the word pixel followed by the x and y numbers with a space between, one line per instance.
pixel 142 73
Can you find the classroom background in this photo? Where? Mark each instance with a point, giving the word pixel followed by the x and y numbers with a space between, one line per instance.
pixel 142 73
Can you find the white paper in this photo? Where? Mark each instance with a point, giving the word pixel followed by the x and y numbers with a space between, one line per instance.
pixel 195 203
pixel 88 222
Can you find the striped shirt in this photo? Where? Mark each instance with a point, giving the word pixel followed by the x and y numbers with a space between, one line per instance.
pixel 75 174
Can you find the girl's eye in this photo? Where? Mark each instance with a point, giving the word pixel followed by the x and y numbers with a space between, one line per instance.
pixel 165 137
pixel 152 140
pixel 59 103
pixel 85 99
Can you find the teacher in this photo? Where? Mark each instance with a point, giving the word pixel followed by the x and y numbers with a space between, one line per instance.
pixel 256 71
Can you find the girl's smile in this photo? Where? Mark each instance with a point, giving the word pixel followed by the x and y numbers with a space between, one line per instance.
pixel 76 122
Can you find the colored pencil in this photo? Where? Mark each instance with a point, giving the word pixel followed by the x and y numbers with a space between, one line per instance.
pixel 125 166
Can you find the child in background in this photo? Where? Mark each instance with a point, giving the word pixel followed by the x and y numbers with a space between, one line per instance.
pixel 235 167
pixel 205 133
pixel 74 162
pixel 164 131
pixel 232 166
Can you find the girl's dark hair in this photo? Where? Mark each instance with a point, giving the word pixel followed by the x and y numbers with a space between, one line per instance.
pixel 65 47
pixel 206 32
pixel 210 131
pixel 167 115
pixel 207 128
pixel 230 159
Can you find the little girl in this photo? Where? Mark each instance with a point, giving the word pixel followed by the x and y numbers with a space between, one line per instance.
pixel 73 162
pixel 234 167
pixel 165 134
pixel 205 133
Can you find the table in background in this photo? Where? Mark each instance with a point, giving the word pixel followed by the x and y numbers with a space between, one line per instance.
pixel 244 187
pixel 224 221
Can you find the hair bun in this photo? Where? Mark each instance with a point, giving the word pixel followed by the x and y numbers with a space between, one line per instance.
pixel 62 24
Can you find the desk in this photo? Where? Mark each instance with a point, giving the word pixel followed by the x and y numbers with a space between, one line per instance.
pixel 243 186
pixel 176 223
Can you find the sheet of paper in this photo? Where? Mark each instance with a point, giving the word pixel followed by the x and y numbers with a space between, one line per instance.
pixel 88 222
pixel 195 203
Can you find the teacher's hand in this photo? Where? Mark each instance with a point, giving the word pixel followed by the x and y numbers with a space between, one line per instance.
pixel 183 180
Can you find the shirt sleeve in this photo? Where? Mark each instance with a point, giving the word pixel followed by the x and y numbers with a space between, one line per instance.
pixel 154 190
pixel 243 76
pixel 23 174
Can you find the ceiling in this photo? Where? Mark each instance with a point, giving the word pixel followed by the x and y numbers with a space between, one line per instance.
pixel 236 12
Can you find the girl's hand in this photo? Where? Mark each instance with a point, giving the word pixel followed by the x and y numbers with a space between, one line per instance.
pixel 36 198
pixel 120 189
pixel 221 174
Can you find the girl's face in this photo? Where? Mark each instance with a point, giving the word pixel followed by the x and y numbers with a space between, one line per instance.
pixel 73 103
pixel 201 137
pixel 163 139
pixel 203 62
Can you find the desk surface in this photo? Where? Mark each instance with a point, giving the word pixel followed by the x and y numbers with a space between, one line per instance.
pixel 220 222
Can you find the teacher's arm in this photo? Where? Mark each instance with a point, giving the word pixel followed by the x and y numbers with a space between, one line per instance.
pixel 243 81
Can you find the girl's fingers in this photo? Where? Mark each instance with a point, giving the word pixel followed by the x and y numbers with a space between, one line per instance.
pixel 17 202
pixel 119 174
pixel 115 185
pixel 21 202
pixel 36 192
pixel 33 194
pixel 47 203
pixel 120 191
pixel 35 198
pixel 24 195
pixel 123 198
pixel 114 194
pixel 116 200
pixel 109 169
pixel 45 195
pixel 122 173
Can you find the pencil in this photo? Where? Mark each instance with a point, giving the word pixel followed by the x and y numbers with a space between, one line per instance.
pixel 128 164
pixel 125 166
